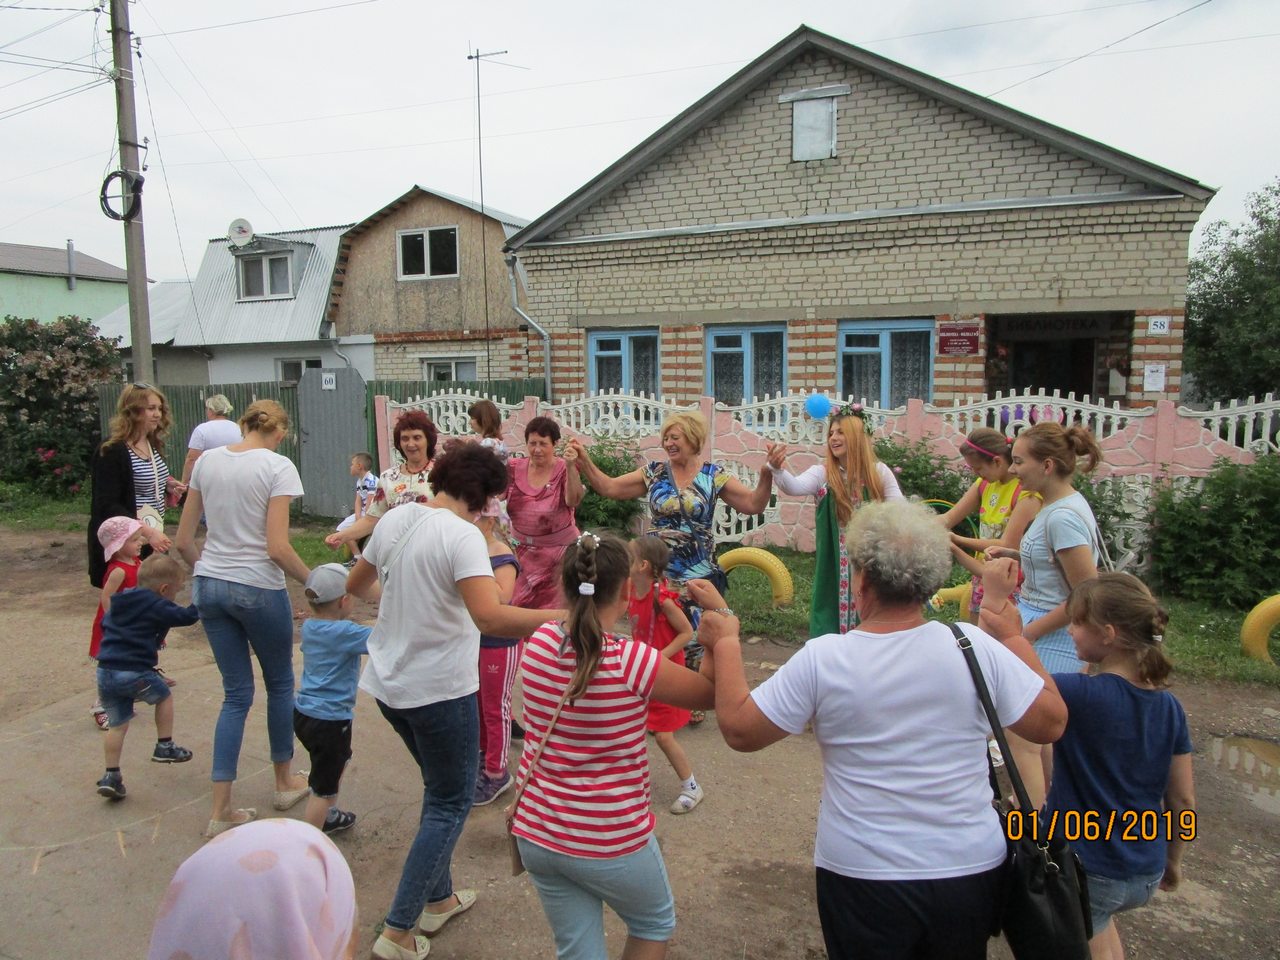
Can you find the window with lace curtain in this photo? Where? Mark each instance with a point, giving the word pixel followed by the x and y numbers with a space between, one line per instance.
pixel 886 362
pixel 623 360
pixel 746 362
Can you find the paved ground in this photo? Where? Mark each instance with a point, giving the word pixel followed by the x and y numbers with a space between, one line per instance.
pixel 80 875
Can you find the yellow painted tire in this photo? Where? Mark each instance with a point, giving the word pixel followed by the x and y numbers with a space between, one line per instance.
pixel 1255 632
pixel 775 570
pixel 961 594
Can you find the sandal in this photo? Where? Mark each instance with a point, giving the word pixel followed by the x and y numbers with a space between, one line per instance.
pixel 387 949
pixel 697 716
pixel 284 799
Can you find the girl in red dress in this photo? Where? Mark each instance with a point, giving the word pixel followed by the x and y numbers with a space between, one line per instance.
pixel 122 540
pixel 658 620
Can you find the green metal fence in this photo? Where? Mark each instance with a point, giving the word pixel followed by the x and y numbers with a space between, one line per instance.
pixel 186 407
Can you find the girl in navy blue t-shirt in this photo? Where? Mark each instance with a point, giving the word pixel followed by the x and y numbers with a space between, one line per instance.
pixel 1122 770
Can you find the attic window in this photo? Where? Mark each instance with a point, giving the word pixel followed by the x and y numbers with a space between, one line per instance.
pixel 265 278
pixel 427 253
pixel 813 121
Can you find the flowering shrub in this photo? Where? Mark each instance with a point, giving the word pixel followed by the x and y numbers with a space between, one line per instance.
pixel 922 473
pixel 49 402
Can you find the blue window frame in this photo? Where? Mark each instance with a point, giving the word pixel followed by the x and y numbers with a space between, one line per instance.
pixel 886 361
pixel 623 360
pixel 746 362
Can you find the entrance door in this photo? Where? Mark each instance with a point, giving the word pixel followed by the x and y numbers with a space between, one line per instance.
pixel 1063 365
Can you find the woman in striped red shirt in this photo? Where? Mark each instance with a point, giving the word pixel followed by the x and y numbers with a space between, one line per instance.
pixel 584 822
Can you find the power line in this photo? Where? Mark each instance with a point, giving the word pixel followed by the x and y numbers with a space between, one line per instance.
pixel 44 29
pixel 52 206
pixel 1117 53
pixel 51 98
pixel 992 23
pixel 173 210
pixel 278 16
pixel 52 9
pixel 1082 56
pixel 46 65
pixel 226 119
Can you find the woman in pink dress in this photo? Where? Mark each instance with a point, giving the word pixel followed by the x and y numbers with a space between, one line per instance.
pixel 541 496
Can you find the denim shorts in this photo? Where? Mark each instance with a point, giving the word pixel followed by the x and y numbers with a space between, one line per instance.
pixel 119 689
pixel 1108 896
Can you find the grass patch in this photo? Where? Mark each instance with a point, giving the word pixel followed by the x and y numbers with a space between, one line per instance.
pixel 23 509
pixel 1204 643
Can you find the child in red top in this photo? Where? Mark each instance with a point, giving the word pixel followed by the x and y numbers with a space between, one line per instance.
pixel 658 620
pixel 122 540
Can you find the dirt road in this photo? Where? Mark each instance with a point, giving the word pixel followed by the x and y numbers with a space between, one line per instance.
pixel 81 876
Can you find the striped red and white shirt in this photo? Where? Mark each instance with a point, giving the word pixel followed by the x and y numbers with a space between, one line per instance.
pixel 589 796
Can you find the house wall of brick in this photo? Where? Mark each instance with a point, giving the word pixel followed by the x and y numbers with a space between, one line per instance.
pixel 897 148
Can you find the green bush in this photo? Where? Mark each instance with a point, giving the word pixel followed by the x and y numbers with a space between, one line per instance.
pixel 614 457
pixel 922 473
pixel 49 403
pixel 1220 542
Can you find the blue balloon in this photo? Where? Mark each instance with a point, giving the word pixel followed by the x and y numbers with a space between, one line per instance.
pixel 817 406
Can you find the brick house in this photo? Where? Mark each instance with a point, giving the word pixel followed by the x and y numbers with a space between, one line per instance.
pixel 827 219
pixel 426 276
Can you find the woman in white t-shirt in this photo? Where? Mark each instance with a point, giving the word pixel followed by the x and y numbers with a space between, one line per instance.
pixel 910 854
pixel 216 431
pixel 437 594
pixel 584 822
pixel 244 491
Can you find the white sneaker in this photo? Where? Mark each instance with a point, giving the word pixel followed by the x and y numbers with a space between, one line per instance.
pixel 687 800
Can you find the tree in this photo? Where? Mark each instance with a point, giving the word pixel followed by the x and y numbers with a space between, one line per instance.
pixel 1233 304
pixel 49 400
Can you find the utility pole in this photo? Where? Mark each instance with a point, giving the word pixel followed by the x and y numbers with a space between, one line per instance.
pixel 477 56
pixel 135 254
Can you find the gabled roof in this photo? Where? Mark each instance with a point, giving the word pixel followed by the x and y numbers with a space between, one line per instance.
pixel 802 41
pixel 52 262
pixel 510 223
pixel 214 315
pixel 167 301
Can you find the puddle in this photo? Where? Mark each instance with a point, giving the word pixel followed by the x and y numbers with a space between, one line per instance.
pixel 1255 764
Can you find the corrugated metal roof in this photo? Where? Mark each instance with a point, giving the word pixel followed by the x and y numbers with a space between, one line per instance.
pixel 222 319
pixel 167 301
pixel 506 219
pixel 52 262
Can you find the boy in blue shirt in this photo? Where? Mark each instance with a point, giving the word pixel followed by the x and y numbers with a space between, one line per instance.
pixel 133 632
pixel 325 703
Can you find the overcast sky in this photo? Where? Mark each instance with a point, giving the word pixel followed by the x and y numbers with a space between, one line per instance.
pixel 324 117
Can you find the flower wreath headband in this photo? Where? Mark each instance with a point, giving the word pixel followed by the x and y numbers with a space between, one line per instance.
pixel 852 410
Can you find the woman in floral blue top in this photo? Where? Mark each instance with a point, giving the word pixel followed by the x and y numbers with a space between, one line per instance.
pixel 682 494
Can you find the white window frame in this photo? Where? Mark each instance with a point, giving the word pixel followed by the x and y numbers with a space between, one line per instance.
pixel 264 259
pixel 883 331
pixel 809 105
pixel 746 332
pixel 426 362
pixel 308 363
pixel 425 233
pixel 626 336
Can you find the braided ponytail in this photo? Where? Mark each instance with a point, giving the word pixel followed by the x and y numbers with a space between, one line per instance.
pixel 592 574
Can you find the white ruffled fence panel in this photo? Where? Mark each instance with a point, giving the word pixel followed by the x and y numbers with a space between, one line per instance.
pixel 1143 449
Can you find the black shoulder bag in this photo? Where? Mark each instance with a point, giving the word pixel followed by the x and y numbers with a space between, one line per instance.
pixel 1046 906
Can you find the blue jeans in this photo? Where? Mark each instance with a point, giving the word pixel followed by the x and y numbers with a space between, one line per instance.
pixel 574 889
pixel 1108 896
pixel 444 740
pixel 240 619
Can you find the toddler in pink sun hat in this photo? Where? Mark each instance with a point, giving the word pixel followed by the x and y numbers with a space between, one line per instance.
pixel 122 541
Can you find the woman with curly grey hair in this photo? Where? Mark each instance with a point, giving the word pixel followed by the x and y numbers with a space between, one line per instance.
pixel 910 853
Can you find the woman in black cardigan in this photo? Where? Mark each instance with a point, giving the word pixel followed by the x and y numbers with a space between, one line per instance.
pixel 128 472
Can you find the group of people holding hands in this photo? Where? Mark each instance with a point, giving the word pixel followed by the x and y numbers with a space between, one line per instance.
pixel 475 560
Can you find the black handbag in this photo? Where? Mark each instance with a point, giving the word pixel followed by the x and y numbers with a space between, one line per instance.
pixel 1045 915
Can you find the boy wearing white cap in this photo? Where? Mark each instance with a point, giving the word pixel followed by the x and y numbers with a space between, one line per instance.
pixel 324 705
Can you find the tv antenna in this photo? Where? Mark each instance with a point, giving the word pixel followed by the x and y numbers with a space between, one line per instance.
pixel 477 56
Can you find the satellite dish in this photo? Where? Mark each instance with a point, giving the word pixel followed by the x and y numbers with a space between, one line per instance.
pixel 240 233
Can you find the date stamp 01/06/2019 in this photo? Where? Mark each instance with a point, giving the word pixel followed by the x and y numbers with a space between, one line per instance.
pixel 1129 826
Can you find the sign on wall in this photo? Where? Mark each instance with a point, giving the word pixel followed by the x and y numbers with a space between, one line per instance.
pixel 958 339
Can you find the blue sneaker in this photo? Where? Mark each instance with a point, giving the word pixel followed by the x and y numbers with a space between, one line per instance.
pixel 488 788
pixel 111 786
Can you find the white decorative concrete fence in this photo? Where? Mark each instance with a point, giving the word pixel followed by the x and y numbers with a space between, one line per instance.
pixel 1142 448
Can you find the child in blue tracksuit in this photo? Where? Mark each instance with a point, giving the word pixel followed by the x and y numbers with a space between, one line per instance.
pixel 133 632
pixel 324 707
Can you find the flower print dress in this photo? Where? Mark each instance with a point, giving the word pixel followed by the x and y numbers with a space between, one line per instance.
pixel 398 485
pixel 683 519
